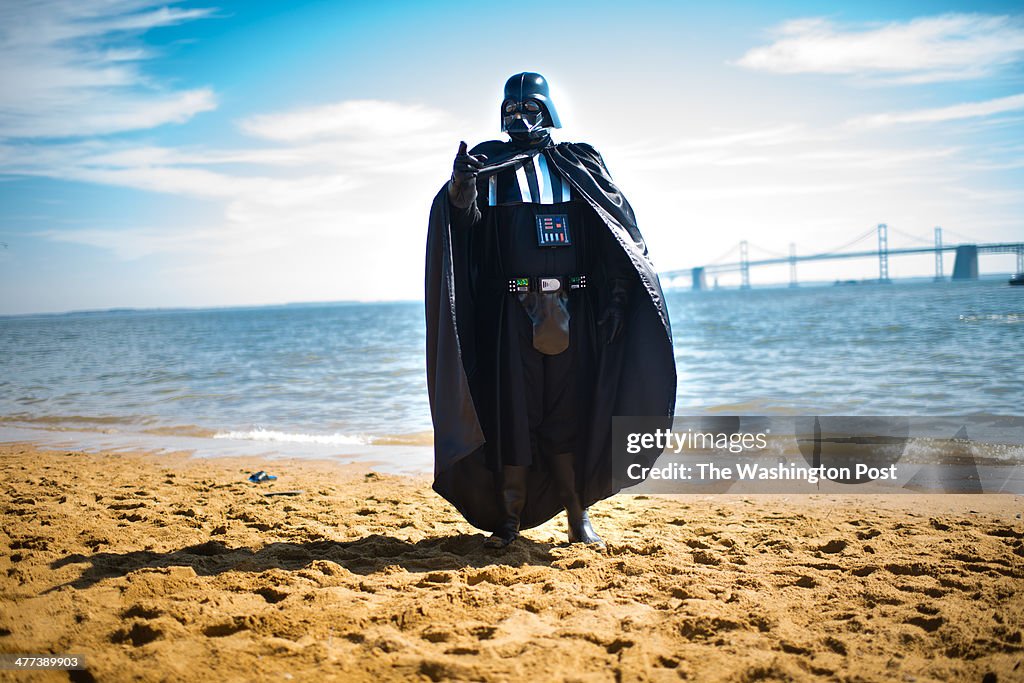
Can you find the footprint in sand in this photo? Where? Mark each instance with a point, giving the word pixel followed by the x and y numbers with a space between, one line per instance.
pixel 929 624
pixel 138 634
pixel 433 634
pixel 647 549
pixel 272 594
pixel 805 582
pixel 434 578
pixel 1005 532
pixel 225 628
pixel 703 557
pixel 910 569
pixel 142 612
pixel 499 575
pixel 575 563
pixel 133 517
pixel 836 645
pixel 484 632
pixel 836 545
pixel 126 506
pixel 31 543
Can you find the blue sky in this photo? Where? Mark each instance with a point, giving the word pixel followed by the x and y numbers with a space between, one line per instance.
pixel 202 154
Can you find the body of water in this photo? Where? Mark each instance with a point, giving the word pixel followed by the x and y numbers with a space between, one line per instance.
pixel 341 375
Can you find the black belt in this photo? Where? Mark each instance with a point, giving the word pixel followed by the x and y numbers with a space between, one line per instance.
pixel 547 284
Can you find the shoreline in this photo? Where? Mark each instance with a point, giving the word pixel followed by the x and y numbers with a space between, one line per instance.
pixel 157 565
pixel 411 460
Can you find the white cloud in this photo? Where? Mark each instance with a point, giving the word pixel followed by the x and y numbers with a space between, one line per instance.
pixel 966 110
pixel 348 119
pixel 316 213
pixel 749 191
pixel 72 68
pixel 753 146
pixel 126 244
pixel 88 114
pixel 321 162
pixel 926 49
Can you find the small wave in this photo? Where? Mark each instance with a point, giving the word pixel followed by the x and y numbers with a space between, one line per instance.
pixel 755 406
pixel 414 439
pixel 289 437
pixel 65 420
pixel 270 435
pixel 181 430
pixel 1004 318
pixel 128 424
pixel 932 450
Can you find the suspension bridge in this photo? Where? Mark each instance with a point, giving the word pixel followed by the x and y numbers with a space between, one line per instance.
pixel 965 265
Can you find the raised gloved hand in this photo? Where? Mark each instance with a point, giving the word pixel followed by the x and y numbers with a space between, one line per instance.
pixel 613 320
pixel 462 189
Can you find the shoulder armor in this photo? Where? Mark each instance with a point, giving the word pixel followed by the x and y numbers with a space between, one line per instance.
pixel 588 149
pixel 585 147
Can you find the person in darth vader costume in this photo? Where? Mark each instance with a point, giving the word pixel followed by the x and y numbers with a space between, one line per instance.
pixel 545 318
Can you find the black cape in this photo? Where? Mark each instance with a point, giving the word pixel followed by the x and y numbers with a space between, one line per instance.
pixel 634 376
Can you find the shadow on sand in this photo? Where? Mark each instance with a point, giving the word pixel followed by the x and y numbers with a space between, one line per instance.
pixel 364 556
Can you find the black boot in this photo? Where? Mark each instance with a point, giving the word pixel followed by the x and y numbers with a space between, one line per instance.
pixel 513 497
pixel 580 530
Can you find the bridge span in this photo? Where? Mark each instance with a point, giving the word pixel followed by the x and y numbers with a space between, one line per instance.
pixel 965 266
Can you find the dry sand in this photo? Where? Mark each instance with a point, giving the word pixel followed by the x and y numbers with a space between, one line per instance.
pixel 176 568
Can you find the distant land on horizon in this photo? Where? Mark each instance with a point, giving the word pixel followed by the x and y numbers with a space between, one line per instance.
pixel 809 284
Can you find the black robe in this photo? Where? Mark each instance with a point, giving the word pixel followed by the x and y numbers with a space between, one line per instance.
pixel 634 376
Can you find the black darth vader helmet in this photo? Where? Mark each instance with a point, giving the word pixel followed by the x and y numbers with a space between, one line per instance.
pixel 527 109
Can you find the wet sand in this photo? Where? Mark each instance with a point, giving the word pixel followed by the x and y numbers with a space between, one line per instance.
pixel 166 567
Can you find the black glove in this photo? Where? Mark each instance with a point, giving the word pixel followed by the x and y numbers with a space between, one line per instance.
pixel 614 317
pixel 462 189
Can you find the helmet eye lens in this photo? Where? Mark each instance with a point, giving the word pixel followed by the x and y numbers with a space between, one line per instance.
pixel 523 116
pixel 527 107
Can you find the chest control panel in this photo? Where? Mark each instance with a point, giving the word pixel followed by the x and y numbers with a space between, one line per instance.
pixel 553 231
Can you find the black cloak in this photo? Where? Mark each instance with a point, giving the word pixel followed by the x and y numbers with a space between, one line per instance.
pixel 634 376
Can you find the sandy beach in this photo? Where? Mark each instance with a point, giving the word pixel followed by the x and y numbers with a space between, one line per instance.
pixel 167 567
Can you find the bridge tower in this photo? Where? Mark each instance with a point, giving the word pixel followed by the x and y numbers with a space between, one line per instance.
pixel 698 278
pixel 1020 259
pixel 744 266
pixel 883 253
pixel 938 254
pixel 792 264
pixel 965 267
